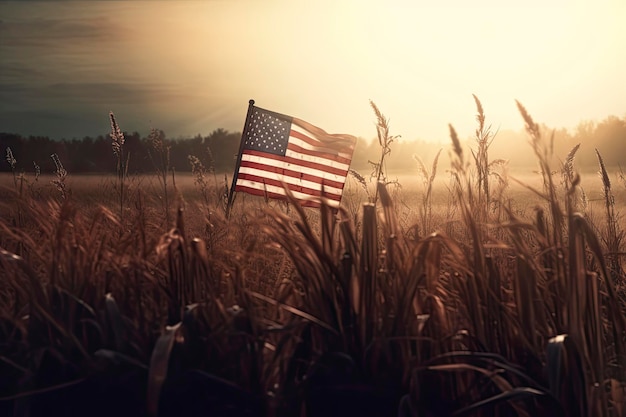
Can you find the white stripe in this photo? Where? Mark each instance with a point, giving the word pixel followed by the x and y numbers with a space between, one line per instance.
pixel 294 167
pixel 306 145
pixel 279 190
pixel 289 180
pixel 317 160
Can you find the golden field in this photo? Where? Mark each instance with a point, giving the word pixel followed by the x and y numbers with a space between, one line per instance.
pixel 450 291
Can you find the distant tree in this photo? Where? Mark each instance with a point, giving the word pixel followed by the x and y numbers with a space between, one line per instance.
pixel 223 146
pixel 608 136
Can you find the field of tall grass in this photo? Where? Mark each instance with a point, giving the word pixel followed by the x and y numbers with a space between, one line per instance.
pixel 465 290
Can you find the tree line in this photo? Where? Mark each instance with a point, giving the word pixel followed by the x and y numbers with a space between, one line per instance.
pixel 95 155
pixel 218 150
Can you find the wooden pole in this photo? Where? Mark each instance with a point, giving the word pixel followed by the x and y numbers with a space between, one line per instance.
pixel 231 192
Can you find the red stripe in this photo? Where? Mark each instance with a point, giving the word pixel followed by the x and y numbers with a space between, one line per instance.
pixel 292 173
pixel 325 155
pixel 263 193
pixel 292 187
pixel 296 161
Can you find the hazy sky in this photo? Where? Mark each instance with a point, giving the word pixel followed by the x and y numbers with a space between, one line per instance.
pixel 189 67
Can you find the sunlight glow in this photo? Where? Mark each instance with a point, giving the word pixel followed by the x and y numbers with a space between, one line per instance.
pixel 198 63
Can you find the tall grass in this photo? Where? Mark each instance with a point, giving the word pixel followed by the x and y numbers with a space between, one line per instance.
pixel 319 313
pixel 428 178
pixel 160 157
pixel 61 177
pixel 614 235
pixel 12 162
pixel 213 197
pixel 123 160
pixel 385 139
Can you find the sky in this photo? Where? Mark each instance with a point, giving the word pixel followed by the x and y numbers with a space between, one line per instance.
pixel 190 67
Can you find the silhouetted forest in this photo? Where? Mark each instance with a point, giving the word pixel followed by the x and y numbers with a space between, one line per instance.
pixel 218 150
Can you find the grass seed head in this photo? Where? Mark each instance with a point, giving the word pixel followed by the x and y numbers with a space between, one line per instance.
pixel 156 140
pixel 480 117
pixel 606 182
pixel 360 178
pixel 61 174
pixel 456 144
pixel 10 158
pixel 37 170
pixel 531 126
pixel 117 137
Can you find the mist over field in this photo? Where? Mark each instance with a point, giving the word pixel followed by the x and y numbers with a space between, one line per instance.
pixel 219 148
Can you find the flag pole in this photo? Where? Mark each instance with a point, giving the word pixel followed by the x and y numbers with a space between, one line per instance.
pixel 231 192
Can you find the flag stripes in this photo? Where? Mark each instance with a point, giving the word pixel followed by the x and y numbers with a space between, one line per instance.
pixel 282 152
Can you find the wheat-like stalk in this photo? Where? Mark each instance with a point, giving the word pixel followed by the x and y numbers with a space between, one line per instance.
pixel 117 143
pixel 614 234
pixel 199 171
pixel 568 166
pixel 384 141
pixel 61 174
pixel 210 168
pixel 606 181
pixel 480 117
pixel 427 181
pixel 484 137
pixel 456 143
pixel 160 157
pixel 531 126
pixel 10 158
pixel 12 162
pixel 117 137
pixel 37 170
pixel 360 179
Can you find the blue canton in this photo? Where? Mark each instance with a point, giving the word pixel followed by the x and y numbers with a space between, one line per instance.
pixel 267 132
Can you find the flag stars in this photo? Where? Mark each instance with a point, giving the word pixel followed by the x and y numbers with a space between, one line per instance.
pixel 267 132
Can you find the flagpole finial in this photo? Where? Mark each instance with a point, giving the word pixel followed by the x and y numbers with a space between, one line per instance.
pixel 251 102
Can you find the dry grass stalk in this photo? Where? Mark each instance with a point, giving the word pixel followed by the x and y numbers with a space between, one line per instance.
pixel 456 144
pixel 199 173
pixel 483 137
pixel 37 170
pixel 117 143
pixel 428 178
pixel 361 180
pixel 384 141
pixel 61 174
pixel 12 162
pixel 614 235
pixel 160 157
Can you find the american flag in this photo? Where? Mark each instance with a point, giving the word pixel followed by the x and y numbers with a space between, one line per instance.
pixel 282 151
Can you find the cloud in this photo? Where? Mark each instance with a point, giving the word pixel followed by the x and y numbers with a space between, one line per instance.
pixel 78 109
pixel 46 31
pixel 69 95
pixel 55 28
pixel 17 70
pixel 55 124
pixel 39 50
